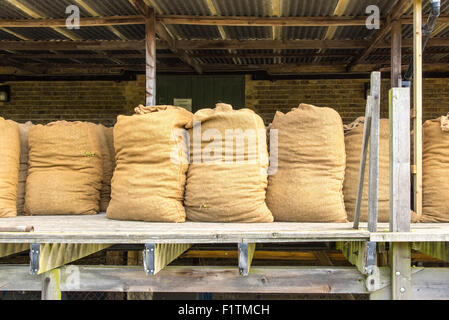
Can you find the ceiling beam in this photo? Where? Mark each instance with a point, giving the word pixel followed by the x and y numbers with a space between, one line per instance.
pixel 395 14
pixel 97 21
pixel 164 35
pixel 206 44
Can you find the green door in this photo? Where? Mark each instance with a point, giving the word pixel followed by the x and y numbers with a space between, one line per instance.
pixel 205 91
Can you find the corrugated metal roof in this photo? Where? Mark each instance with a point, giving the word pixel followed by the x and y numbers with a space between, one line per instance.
pixel 242 33
pixel 94 33
pixel 258 8
pixel 194 31
pixel 8 11
pixel 39 33
pixel 191 7
pixel 291 33
pixel 307 8
pixel 132 32
pixel 52 9
pixel 7 36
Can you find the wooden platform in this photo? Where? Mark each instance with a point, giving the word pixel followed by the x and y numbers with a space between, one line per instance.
pixel 99 229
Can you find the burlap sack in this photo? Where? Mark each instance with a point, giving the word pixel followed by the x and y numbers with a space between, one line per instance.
pixel 232 190
pixel 307 186
pixel 65 169
pixel 435 167
pixel 104 136
pixel 9 167
pixel 24 129
pixel 151 163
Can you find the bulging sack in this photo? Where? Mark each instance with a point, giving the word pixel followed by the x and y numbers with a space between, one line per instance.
pixel 9 167
pixel 24 129
pixel 308 183
pixel 107 150
pixel 65 169
pixel 227 176
pixel 435 168
pixel 151 164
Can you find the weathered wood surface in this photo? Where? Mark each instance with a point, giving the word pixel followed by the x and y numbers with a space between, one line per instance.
pixel 399 110
pixel 439 250
pixel 194 279
pixel 7 249
pixel 99 229
pixel 54 255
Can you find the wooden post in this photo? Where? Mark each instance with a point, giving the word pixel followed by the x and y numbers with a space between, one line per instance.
pixel 417 102
pixel 50 285
pixel 396 43
pixel 399 160
pixel 401 271
pixel 374 152
pixel 150 58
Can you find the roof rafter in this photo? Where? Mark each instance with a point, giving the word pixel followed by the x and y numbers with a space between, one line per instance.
pixel 163 34
pixel 396 12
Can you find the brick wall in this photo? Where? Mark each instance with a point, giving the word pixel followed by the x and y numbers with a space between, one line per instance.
pixel 102 101
pixel 347 96
pixel 96 101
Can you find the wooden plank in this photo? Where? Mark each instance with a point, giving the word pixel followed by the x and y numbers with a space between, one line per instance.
pixel 417 104
pixel 246 254
pixel 396 56
pixel 439 250
pixel 374 152
pixel 55 255
pixel 355 252
pixel 7 249
pixel 51 285
pixel 399 110
pixel 361 177
pixel 401 275
pixel 220 279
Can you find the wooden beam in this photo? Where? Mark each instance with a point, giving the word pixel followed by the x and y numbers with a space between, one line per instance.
pixel 55 255
pixel 93 45
pixel 96 21
pixel 99 21
pixel 7 249
pixel 417 104
pixel 150 57
pixel 399 115
pixel 396 12
pixel 163 34
pixel 396 46
pixel 51 289
pixel 401 271
pixel 33 13
pixel 439 250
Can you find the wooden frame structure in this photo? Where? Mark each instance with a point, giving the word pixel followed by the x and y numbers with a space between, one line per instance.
pixel 53 246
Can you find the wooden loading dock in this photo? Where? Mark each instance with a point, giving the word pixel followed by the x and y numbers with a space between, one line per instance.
pixel 57 241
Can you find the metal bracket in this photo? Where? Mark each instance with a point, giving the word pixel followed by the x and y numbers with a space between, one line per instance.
pixel 35 251
pixel 148 258
pixel 370 259
pixel 246 253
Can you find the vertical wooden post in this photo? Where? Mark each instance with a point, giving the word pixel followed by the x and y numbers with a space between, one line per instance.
pixel 396 43
pixel 50 285
pixel 150 57
pixel 401 271
pixel 417 102
pixel 399 160
pixel 374 153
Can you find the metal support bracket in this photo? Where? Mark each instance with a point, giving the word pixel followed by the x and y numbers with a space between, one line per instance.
pixel 35 251
pixel 148 258
pixel 156 257
pixel 246 254
pixel 370 258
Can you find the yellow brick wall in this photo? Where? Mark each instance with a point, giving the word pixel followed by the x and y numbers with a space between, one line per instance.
pixel 102 101
pixel 347 96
